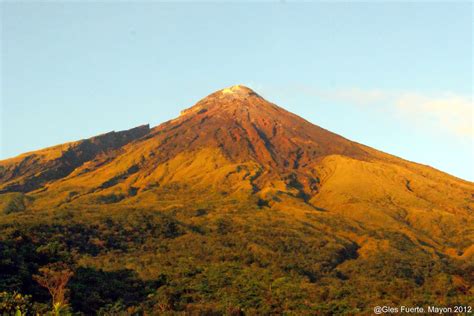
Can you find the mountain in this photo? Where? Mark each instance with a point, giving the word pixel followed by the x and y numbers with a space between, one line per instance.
pixel 239 205
pixel 32 171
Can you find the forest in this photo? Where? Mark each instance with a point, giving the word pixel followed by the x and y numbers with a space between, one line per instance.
pixel 235 259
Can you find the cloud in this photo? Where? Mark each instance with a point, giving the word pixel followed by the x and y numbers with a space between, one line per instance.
pixel 356 96
pixel 449 112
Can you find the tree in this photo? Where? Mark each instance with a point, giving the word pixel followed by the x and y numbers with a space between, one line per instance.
pixel 55 277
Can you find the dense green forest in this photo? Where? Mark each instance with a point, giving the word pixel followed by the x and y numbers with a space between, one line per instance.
pixel 238 259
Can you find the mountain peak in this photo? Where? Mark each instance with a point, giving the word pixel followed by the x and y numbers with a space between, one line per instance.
pixel 232 96
pixel 238 90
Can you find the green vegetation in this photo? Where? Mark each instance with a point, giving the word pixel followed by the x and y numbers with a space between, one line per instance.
pixel 12 203
pixel 240 259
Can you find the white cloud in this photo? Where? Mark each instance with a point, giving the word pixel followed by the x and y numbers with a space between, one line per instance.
pixel 452 113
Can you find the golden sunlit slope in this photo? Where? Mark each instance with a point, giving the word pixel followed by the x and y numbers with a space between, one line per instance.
pixel 236 207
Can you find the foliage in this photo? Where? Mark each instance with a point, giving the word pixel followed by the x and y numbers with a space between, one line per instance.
pixel 238 260
pixel 95 289
pixel 15 304
pixel 12 203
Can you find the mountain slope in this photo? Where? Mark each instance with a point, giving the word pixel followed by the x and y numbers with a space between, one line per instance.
pixel 237 141
pixel 31 171
pixel 254 181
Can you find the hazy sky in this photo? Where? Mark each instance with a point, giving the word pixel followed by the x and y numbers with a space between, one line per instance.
pixel 394 76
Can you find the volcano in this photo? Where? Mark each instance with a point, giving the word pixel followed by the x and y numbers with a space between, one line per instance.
pixel 252 187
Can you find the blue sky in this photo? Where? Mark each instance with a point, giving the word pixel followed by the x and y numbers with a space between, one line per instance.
pixel 394 76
